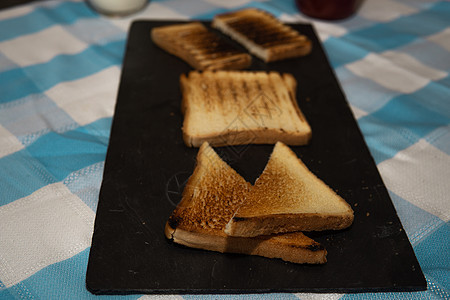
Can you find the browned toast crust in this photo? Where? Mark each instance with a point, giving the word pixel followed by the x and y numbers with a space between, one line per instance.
pixel 239 137
pixel 293 247
pixel 263 225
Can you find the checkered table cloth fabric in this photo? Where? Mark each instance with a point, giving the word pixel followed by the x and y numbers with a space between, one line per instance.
pixel 59 73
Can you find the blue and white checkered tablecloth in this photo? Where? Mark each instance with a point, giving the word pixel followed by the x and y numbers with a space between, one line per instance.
pixel 60 64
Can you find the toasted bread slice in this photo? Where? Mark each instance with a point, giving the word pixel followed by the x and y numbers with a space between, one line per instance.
pixel 210 198
pixel 288 197
pixel 262 34
pixel 199 47
pixel 227 108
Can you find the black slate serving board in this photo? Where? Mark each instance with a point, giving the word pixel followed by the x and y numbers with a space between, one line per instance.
pixel 147 164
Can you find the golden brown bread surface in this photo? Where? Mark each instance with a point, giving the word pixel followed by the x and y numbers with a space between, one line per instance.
pixel 211 197
pixel 227 108
pixel 263 34
pixel 288 197
pixel 199 47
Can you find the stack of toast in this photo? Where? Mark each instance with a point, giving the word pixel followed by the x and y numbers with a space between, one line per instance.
pixel 221 211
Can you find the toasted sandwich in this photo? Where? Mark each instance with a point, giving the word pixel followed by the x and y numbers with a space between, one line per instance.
pixel 211 197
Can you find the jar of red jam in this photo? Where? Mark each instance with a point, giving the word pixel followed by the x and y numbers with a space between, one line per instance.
pixel 328 9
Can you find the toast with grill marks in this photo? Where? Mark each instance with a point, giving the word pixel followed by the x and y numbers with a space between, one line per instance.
pixel 210 199
pixel 288 197
pixel 199 47
pixel 263 34
pixel 228 108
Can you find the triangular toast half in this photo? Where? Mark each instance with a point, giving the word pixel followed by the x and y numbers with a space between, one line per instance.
pixel 288 197
pixel 210 199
